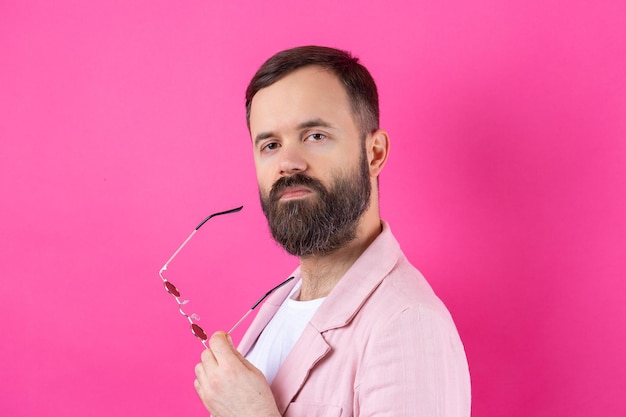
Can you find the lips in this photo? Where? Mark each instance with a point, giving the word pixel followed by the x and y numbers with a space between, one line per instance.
pixel 289 193
pixel 296 186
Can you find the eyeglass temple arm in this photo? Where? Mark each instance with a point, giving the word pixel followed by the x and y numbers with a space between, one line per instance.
pixel 218 214
pixel 193 233
pixel 259 302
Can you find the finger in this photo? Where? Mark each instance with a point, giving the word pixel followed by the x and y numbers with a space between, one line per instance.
pixel 221 347
pixel 226 354
pixel 200 371
pixel 238 354
pixel 207 356
pixel 198 386
pixel 224 350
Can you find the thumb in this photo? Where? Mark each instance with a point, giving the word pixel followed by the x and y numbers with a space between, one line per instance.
pixel 238 354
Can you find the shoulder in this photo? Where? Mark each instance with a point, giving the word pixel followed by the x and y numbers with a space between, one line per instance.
pixel 405 292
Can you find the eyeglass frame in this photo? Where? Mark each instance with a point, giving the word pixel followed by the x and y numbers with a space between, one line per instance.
pixel 193 318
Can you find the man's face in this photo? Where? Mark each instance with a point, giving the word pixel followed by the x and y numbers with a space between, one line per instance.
pixel 311 165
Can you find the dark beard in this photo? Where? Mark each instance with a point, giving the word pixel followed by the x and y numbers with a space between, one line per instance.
pixel 322 223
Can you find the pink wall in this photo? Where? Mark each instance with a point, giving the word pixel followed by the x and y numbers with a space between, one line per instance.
pixel 122 126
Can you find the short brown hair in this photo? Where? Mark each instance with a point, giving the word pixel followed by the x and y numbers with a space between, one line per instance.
pixel 356 79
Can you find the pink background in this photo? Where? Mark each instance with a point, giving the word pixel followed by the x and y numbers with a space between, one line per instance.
pixel 122 126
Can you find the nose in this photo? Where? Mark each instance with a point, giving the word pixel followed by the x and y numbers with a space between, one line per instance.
pixel 292 160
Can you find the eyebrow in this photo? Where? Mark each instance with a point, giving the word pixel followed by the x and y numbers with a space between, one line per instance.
pixel 304 125
pixel 314 123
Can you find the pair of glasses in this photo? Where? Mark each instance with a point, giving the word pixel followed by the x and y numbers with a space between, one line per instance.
pixel 193 318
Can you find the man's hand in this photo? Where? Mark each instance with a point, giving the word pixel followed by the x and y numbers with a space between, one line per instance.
pixel 229 385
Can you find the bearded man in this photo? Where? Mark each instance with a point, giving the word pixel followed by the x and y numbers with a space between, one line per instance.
pixel 358 332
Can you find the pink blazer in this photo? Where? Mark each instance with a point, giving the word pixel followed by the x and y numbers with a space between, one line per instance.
pixel 381 344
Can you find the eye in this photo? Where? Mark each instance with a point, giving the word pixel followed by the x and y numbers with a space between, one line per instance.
pixel 270 146
pixel 316 137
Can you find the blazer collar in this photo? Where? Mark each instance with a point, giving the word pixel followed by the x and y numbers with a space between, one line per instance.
pixel 355 287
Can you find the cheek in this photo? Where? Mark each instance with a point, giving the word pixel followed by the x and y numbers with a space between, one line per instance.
pixel 262 175
pixel 267 171
pixel 340 164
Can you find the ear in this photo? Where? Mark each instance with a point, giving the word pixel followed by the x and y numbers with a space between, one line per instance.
pixel 377 146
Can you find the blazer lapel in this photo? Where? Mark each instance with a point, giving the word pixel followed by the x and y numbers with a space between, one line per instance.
pixel 310 349
pixel 339 308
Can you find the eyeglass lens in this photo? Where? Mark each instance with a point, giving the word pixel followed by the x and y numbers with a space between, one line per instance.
pixel 195 329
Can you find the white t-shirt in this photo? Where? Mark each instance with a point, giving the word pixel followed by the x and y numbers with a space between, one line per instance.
pixel 282 333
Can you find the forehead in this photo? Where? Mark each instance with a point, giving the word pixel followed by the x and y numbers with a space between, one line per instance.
pixel 309 93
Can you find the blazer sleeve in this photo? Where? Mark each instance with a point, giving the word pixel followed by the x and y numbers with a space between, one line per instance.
pixel 414 366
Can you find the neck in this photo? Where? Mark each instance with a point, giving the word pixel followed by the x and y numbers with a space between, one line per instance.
pixel 320 273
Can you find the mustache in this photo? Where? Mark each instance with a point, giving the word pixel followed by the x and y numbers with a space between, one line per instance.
pixel 295 180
